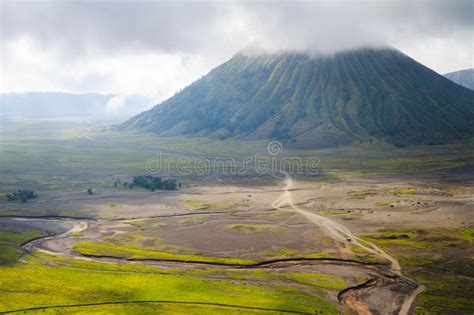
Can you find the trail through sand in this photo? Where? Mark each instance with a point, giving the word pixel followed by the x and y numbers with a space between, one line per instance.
pixel 344 239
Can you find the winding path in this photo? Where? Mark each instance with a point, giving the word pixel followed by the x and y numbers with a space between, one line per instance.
pixel 344 238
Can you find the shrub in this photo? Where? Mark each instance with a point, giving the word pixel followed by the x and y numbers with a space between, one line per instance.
pixel 154 182
pixel 22 194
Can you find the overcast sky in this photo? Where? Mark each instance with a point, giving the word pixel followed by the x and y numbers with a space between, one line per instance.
pixel 155 48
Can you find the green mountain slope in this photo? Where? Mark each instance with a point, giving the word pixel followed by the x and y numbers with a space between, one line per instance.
pixel 317 101
pixel 462 77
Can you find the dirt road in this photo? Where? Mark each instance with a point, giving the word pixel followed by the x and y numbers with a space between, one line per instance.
pixel 344 239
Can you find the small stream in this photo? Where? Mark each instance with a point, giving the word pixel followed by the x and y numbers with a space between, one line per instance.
pixel 49 225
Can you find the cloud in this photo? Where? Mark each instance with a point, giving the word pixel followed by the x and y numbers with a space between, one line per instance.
pixel 26 67
pixel 189 26
pixel 156 47
pixel 329 26
pixel 111 26
pixel 115 103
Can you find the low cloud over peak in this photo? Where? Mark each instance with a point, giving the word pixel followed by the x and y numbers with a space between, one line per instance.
pixel 196 36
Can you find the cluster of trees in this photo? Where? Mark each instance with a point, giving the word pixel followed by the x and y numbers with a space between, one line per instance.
pixel 154 182
pixel 118 183
pixel 22 194
pixel 149 182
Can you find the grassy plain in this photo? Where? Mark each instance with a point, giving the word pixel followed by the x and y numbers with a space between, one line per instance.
pixel 67 286
pixel 363 186
pixel 73 156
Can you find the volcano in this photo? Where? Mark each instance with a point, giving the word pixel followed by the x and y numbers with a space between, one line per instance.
pixel 314 101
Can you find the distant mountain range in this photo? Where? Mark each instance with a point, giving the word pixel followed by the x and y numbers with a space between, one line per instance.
pixel 56 104
pixel 462 77
pixel 317 101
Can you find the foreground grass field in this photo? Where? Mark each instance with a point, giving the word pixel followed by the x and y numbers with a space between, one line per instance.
pixel 150 307
pixel 48 284
pixel 31 285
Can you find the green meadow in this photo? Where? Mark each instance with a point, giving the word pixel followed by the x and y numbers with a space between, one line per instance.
pixel 59 156
pixel 56 285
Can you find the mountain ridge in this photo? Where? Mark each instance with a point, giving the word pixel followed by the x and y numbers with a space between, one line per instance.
pixel 463 77
pixel 317 101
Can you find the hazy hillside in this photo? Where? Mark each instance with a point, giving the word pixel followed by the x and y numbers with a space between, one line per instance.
pixel 462 77
pixel 56 104
pixel 317 101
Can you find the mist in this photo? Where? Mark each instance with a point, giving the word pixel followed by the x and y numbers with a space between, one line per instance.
pixel 156 48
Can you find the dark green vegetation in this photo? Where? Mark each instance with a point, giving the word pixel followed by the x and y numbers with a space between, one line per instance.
pixel 118 183
pixel 22 194
pixel 462 77
pixel 439 258
pixel 154 182
pixel 317 101
pixel 148 182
